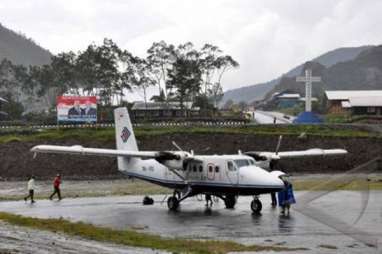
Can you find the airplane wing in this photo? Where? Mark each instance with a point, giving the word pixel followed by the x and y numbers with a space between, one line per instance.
pixel 103 152
pixel 296 154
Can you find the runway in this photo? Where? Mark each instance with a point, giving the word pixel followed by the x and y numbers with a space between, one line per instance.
pixel 195 221
pixel 267 117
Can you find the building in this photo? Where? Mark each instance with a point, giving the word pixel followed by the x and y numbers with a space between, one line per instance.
pixel 289 100
pixel 3 114
pixel 163 110
pixel 356 102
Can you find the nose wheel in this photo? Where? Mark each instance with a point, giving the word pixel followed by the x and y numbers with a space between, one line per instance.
pixel 256 205
pixel 172 203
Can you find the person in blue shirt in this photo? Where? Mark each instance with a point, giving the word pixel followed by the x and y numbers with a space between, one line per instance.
pixel 286 197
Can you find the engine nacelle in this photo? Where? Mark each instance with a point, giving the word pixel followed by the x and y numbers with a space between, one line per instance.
pixel 174 160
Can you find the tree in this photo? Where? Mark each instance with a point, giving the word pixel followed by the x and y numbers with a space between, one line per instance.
pixel 64 67
pixel 216 93
pixel 12 108
pixel 141 77
pixel 98 71
pixel 160 59
pixel 209 54
pixel 185 78
pixel 228 105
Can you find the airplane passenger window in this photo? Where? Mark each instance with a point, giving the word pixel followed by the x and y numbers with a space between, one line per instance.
pixel 194 168
pixel 210 168
pixel 217 169
pixel 230 166
pixel 200 168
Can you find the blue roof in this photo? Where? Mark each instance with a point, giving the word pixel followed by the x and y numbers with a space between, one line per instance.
pixel 307 117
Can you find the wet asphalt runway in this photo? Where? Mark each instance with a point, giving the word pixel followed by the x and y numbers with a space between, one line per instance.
pixel 193 220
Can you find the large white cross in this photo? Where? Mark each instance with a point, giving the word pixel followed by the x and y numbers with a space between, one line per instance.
pixel 308 79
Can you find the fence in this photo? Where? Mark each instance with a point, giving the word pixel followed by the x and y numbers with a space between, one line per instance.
pixel 154 125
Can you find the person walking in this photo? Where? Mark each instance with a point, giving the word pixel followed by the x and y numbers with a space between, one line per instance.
pixel 30 187
pixel 274 200
pixel 208 200
pixel 286 197
pixel 56 187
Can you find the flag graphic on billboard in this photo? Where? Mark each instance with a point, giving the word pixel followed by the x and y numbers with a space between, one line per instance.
pixel 82 109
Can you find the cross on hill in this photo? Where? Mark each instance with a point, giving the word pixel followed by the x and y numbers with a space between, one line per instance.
pixel 308 79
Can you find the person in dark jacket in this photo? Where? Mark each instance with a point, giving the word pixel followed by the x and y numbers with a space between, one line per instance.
pixel 56 187
pixel 286 197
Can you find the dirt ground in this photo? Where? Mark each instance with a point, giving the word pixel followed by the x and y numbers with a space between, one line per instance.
pixel 16 162
pixel 16 190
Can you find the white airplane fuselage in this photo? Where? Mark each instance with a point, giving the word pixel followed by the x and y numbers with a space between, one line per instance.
pixel 214 174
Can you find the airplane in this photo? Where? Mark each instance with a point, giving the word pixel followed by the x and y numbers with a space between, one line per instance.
pixel 188 174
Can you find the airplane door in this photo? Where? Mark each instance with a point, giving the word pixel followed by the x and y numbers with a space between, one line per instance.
pixel 210 171
pixel 232 173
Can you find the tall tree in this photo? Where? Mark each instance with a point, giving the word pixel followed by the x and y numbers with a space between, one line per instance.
pixel 185 78
pixel 209 55
pixel 141 77
pixel 160 58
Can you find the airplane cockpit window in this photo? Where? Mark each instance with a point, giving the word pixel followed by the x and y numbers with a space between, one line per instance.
pixel 251 162
pixel 241 163
pixel 230 165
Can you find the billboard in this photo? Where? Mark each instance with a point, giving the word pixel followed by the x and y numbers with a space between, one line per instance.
pixel 81 109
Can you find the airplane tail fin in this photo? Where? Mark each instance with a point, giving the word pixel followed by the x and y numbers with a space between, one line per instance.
pixel 124 133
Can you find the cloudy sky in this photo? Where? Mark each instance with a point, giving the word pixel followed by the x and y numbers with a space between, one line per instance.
pixel 267 37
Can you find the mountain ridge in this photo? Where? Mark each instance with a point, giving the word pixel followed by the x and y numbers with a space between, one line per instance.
pixel 258 91
pixel 20 50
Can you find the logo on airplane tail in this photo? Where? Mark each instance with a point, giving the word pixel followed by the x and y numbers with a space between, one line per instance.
pixel 125 134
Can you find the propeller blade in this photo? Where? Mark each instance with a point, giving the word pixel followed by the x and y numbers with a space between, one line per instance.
pixel 176 146
pixel 279 144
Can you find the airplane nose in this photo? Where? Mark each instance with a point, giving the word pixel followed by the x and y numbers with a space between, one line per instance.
pixel 277 181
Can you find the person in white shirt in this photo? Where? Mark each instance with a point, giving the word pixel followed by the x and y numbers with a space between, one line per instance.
pixel 30 190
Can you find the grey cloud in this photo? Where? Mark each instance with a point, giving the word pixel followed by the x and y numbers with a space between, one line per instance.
pixel 267 37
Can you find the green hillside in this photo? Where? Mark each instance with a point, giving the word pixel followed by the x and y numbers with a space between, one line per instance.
pixel 21 50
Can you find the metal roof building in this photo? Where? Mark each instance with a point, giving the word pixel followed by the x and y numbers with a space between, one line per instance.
pixel 365 102
pixel 346 94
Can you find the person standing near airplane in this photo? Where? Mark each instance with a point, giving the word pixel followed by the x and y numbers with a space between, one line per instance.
pixel 30 187
pixel 286 196
pixel 56 186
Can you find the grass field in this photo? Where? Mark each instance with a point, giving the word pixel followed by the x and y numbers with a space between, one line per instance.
pixel 107 134
pixel 133 238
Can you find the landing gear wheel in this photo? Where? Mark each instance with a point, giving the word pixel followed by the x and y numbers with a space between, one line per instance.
pixel 256 206
pixel 230 201
pixel 172 203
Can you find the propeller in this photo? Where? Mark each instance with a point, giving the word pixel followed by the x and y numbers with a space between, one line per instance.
pixel 273 164
pixel 279 144
pixel 176 146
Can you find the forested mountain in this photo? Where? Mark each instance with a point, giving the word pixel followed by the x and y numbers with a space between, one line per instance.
pixel 21 50
pixel 363 72
pixel 258 91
